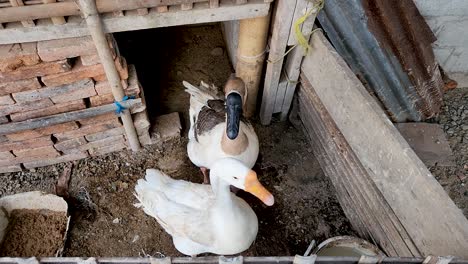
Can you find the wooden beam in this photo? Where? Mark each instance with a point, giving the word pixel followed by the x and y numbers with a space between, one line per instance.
pixel 186 6
pixel 199 14
pixel 10 128
pixel 24 22
pixel 69 8
pixel 214 3
pixel 393 196
pixel 282 21
pixel 142 11
pixel 93 20
pixel 58 20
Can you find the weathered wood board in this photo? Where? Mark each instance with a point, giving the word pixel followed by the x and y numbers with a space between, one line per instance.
pixel 385 189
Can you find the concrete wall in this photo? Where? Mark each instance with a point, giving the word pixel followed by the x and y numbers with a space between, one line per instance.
pixel 448 20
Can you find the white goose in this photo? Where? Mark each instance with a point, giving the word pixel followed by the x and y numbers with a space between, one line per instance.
pixel 205 218
pixel 217 128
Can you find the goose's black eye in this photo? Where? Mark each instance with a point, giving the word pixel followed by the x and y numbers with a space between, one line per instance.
pixel 236 178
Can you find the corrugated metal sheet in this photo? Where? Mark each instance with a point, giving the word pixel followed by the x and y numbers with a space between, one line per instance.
pixel 387 44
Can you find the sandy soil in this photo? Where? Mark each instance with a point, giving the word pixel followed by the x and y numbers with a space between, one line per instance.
pixel 104 219
pixel 34 233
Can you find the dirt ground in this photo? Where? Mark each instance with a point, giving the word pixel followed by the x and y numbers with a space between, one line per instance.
pixel 104 219
pixel 454 120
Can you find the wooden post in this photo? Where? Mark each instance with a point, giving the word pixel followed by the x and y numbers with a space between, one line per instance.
pixel 93 20
pixel 253 35
pixel 279 40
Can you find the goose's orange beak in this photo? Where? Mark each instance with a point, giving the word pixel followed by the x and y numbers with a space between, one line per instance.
pixel 253 186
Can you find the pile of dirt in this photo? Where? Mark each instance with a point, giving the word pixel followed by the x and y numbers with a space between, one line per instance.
pixel 36 233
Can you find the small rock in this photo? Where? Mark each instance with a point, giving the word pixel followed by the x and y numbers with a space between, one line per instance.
pixel 135 238
pixel 217 51
pixel 32 170
pixel 465 127
pixel 116 221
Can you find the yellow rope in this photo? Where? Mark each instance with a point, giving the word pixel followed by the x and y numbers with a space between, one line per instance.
pixel 301 39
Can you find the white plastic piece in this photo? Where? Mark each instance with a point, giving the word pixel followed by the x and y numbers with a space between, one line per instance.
pixel 298 259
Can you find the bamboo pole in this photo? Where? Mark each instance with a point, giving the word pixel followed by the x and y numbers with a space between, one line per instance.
pixel 93 20
pixel 253 35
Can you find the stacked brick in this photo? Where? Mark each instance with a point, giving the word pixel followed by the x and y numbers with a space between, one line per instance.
pixel 59 76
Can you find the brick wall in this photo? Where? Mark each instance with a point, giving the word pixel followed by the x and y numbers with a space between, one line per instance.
pixel 449 22
pixel 58 76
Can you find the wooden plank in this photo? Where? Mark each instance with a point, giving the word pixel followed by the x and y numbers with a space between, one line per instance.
pixel 10 128
pixel 69 8
pixel 25 23
pixel 394 170
pixel 199 14
pixel 302 7
pixel 214 3
pixel 282 86
pixel 231 37
pixel 281 26
pixel 241 2
pixel 56 20
pixel 291 69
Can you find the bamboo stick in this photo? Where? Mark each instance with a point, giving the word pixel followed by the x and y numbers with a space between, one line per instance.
pixel 93 20
pixel 41 122
pixel 250 57
pixel 60 20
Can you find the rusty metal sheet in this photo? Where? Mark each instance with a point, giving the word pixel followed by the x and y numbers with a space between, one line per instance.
pixel 387 44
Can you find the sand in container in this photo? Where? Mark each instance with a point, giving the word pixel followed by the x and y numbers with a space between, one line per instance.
pixel 32 224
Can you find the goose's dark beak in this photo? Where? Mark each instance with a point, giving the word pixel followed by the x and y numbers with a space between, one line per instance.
pixel 234 112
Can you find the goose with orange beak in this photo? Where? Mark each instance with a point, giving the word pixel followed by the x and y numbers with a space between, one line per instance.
pixel 217 126
pixel 205 218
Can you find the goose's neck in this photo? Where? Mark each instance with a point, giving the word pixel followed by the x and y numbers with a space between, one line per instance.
pixel 222 191
pixel 235 146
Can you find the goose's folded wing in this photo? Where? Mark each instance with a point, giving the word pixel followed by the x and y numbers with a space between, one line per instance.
pixel 180 220
pixel 196 196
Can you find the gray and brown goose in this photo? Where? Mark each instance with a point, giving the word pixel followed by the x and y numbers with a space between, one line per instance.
pixel 217 127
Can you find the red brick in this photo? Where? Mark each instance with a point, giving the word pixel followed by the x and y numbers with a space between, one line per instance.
pixel 141 122
pixel 58 49
pixel 3 138
pixel 145 139
pixel 6 100
pixel 65 92
pixel 27 144
pixel 106 142
pixel 88 60
pixel 122 67
pixel 41 69
pixel 48 151
pixel 107 149
pixel 105 118
pixel 6 155
pixel 99 100
pixel 78 72
pixel 86 130
pixel 51 161
pixel 11 168
pixel 13 56
pixel 19 86
pixel 19 160
pixel 105 134
pixel 100 78
pixel 103 87
pixel 39 132
pixel 51 110
pixel 24 107
pixel 3 120
pixel 82 92
pixel 70 144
